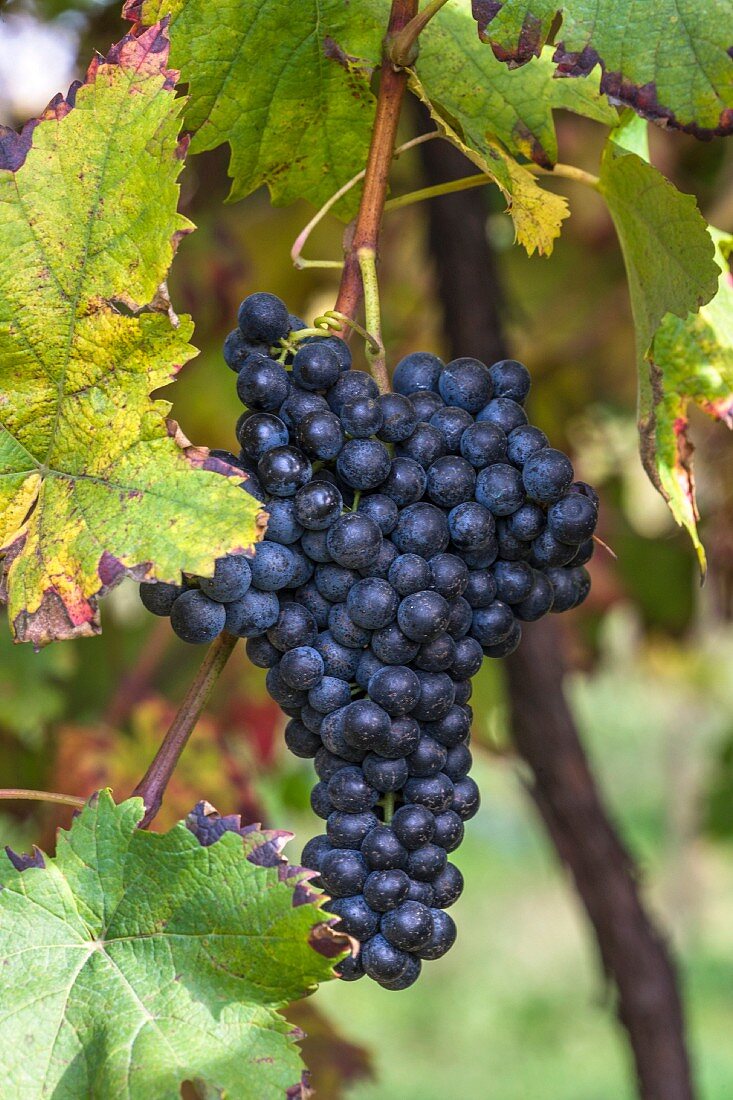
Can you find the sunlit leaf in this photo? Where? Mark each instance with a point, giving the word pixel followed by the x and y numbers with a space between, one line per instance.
pixel 134 961
pixel 94 482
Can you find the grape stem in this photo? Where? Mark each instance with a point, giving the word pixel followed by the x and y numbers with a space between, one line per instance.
pixel 23 795
pixel 568 172
pixel 388 807
pixel 362 248
pixel 151 787
pixel 375 356
pixel 302 238
pixel 402 49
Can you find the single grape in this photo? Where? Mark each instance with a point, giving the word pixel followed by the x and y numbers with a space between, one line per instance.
pixel 418 371
pixel 382 961
pixel 347 830
pixel 283 470
pixel 260 432
pixel 302 667
pixel 510 379
pixel 547 475
pixel 383 851
pixel 408 927
pixel 262 384
pixel 504 413
pixel 451 422
pixel 232 577
pixel 354 541
pixel 466 383
pixel 355 915
pixel 196 618
pixel 343 872
pixel 425 446
pixel 399 418
pixel 318 505
pixel 320 434
pixel 253 614
pixel 315 366
pixel 405 483
pixel 263 317
pixel 159 597
pixel 385 890
pixel 372 603
pixel 362 417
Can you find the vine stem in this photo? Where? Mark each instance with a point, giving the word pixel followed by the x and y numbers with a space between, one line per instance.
pixel 23 795
pixel 365 239
pixel 151 787
pixel 403 47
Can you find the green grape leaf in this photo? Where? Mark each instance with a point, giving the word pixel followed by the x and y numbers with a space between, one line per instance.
pixel 671 61
pixel 671 268
pixel 582 97
pixel 483 96
pixel 94 482
pixel 537 215
pixel 690 360
pixel 303 125
pixel 134 962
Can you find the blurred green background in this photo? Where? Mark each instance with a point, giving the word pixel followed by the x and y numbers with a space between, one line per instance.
pixel 519 1008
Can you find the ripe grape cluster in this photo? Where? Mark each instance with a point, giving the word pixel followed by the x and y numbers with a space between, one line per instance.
pixel 410 534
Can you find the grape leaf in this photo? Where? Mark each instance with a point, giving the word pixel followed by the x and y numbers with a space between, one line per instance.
pixel 303 125
pixel 671 270
pixel 690 360
pixel 670 61
pixel 483 96
pixel 537 214
pixel 94 484
pixel 136 961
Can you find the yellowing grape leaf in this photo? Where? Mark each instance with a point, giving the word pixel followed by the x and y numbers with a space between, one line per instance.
pixel 537 214
pixel 134 962
pixel 94 482
pixel 672 273
pixel 690 360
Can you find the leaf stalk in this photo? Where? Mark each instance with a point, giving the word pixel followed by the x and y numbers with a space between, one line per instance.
pixel 152 786
pixel 19 793
pixel 402 49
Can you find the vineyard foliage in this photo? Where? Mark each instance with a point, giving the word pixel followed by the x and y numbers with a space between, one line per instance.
pixel 185 945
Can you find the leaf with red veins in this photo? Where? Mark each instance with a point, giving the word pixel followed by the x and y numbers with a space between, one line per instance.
pixel 95 483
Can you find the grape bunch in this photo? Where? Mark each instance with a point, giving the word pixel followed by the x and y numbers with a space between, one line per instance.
pixel 410 534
